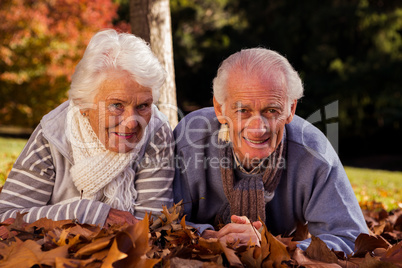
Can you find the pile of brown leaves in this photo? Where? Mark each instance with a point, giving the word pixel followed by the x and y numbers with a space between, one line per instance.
pixel 168 242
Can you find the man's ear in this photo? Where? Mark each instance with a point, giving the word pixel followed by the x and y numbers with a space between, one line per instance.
pixel 219 112
pixel 292 112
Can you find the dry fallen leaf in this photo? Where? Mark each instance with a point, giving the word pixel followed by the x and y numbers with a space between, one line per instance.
pixel 289 242
pixel 73 263
pixel 370 262
pixel 86 231
pixel 47 224
pixel 272 252
pixel 367 243
pixel 180 263
pixel 12 226
pixel 95 246
pixel 305 261
pixel 168 216
pixel 211 246
pixel 231 256
pixel 134 241
pixel 173 244
pixel 114 255
pixel 27 254
pixel 394 255
pixel 278 250
pixel 318 250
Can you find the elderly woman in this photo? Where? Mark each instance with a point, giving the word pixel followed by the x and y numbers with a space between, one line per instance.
pixel 101 157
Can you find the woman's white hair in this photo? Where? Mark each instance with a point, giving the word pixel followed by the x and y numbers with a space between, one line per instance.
pixel 109 51
pixel 262 62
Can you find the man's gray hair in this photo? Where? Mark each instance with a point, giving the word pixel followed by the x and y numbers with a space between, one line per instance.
pixel 108 51
pixel 263 63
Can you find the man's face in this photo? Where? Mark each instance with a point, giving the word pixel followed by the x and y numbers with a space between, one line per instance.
pixel 256 110
pixel 123 109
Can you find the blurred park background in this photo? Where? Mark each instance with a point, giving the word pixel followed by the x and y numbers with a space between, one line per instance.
pixel 348 53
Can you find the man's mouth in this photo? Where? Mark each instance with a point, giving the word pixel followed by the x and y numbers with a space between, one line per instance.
pixel 256 141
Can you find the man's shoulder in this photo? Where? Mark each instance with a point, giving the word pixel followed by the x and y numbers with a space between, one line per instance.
pixel 303 132
pixel 201 115
pixel 304 136
pixel 197 127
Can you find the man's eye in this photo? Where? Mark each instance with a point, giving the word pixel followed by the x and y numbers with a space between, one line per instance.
pixel 242 111
pixel 271 111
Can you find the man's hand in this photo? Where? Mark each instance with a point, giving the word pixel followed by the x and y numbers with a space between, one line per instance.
pixel 116 216
pixel 240 229
pixel 244 232
pixel 244 220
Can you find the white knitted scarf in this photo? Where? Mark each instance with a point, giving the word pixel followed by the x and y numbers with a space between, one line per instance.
pixel 100 174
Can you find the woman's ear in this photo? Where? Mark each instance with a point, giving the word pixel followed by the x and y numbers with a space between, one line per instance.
pixel 84 112
pixel 219 112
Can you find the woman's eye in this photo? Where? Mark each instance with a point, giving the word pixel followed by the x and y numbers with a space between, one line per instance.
pixel 116 107
pixel 142 107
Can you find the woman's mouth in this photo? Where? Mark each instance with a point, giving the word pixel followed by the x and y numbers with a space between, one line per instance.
pixel 124 135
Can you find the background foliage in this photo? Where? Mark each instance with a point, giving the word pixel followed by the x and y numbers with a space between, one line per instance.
pixel 345 51
pixel 40 44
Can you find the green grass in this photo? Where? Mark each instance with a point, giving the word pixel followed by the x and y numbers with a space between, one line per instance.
pixel 376 185
pixel 369 185
pixel 9 150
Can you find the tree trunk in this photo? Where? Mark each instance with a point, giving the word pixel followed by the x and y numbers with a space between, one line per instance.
pixel 150 20
pixel 139 12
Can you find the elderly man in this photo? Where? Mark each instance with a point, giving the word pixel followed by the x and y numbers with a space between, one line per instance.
pixel 250 157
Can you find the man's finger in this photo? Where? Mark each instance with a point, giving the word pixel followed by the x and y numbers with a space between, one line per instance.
pixel 257 225
pixel 239 219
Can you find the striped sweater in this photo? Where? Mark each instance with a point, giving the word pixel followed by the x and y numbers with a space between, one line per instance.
pixel 40 182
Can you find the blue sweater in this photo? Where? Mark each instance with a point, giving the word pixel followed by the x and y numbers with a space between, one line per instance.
pixel 313 190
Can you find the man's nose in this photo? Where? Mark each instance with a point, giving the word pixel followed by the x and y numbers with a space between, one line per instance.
pixel 257 126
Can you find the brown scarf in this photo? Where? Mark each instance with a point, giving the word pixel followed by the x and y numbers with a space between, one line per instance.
pixel 246 194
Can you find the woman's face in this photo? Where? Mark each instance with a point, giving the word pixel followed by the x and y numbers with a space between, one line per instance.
pixel 121 112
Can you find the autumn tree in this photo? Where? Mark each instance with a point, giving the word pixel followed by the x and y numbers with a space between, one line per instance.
pixel 150 20
pixel 40 43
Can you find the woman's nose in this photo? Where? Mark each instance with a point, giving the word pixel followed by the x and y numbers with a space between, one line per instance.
pixel 130 119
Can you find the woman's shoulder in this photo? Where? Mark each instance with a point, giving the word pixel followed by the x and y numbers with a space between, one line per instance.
pixel 55 115
pixel 54 128
pixel 158 119
pixel 159 130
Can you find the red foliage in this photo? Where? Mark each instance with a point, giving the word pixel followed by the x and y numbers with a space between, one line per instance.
pixel 65 25
pixel 41 41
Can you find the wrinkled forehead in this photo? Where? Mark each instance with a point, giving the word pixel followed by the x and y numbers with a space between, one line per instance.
pixel 265 80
